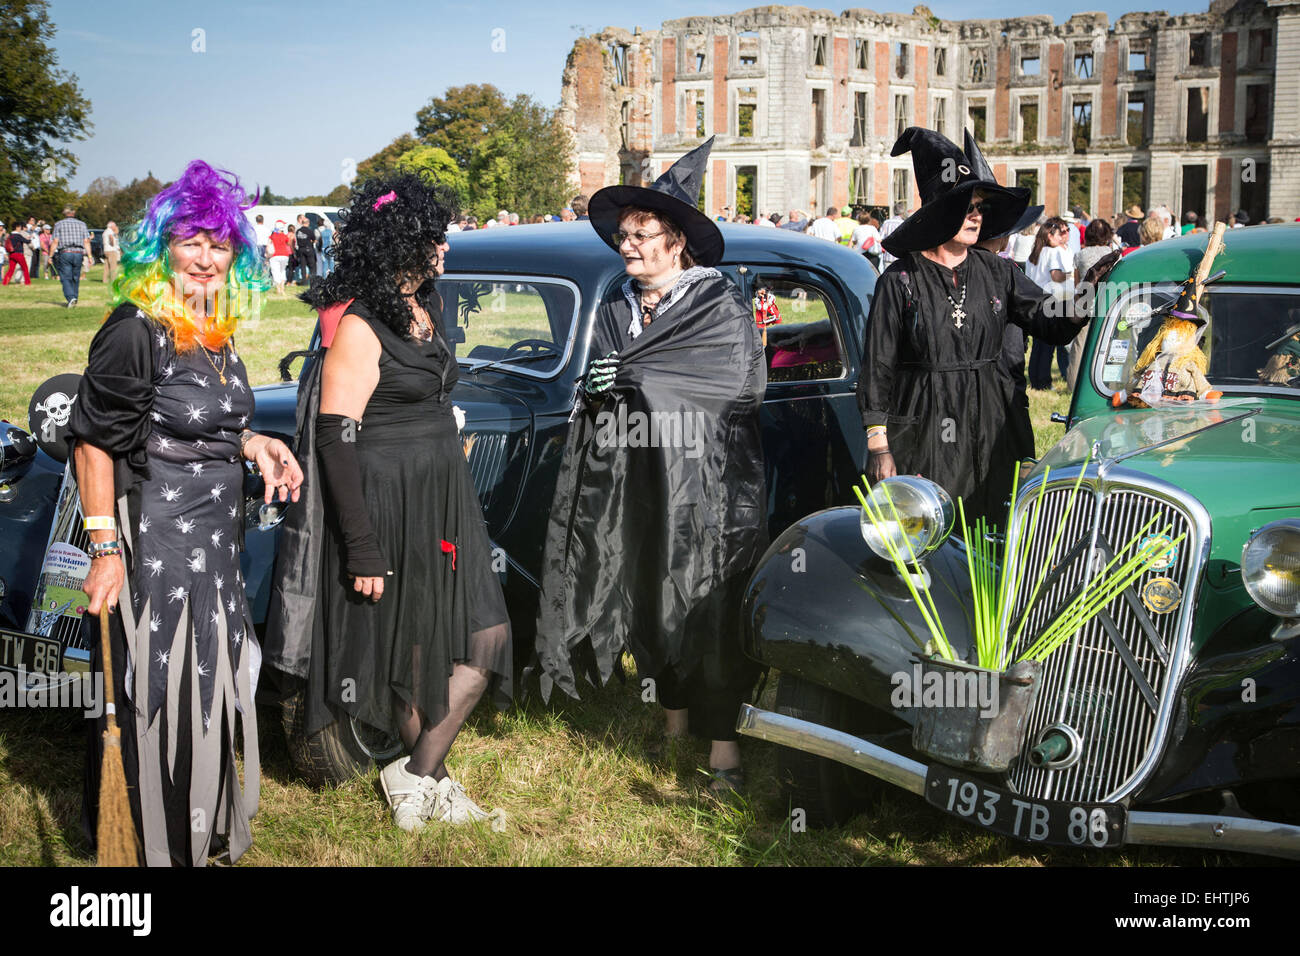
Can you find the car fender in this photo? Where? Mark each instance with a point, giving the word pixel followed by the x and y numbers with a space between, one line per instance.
pixel 822 606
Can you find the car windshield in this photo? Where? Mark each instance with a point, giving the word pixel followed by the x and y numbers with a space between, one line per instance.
pixel 1251 339
pixel 520 323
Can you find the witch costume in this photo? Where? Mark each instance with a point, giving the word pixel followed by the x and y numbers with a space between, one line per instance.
pixel 660 507
pixel 934 371
pixel 185 655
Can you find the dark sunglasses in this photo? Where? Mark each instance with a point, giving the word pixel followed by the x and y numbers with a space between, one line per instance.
pixel 979 207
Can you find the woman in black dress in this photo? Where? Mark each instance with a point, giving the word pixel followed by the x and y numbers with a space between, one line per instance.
pixel 158 430
pixel 410 624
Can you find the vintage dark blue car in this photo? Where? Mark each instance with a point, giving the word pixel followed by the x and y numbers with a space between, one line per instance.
pixel 519 305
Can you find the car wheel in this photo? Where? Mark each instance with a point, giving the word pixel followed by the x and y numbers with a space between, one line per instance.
pixel 339 750
pixel 829 792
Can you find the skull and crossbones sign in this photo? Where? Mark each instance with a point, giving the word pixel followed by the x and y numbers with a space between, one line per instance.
pixel 57 409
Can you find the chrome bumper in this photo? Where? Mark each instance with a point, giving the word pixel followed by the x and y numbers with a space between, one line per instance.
pixel 1144 827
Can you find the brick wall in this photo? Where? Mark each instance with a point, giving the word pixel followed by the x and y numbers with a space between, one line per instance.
pixel 1108 124
pixel 1051 186
pixel 841 117
pixel 720 196
pixel 1223 176
pixel 839 183
pixel 1107 201
pixel 1055 64
pixel 721 115
pixel 1228 82
pixel 880 184
pixel 668 69
pixel 1002 92
pixel 884 102
pixel 921 70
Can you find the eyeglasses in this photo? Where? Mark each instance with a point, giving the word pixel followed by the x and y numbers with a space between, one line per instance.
pixel 978 207
pixel 638 238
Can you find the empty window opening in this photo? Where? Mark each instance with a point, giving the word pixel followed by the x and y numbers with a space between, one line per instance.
pixel 861 49
pixel 817 188
pixel 1137 56
pixel 901 54
pixel 819 49
pixel 1082 125
pixel 819 118
pixel 625 123
pixel 900 189
pixel 940 61
pixel 940 121
pixel 1135 187
pixel 747 50
pixel 1029 121
pixel 1028 179
pixel 1195 179
pixel 747 103
pixel 1136 131
pixel 859 185
pixel 746 198
pixel 1083 61
pixel 1257 115
pixel 1261 47
pixel 1198 49
pixel 902 113
pixel 695 53
pixel 1030 65
pixel 861 120
pixel 618 54
pixel 977 114
pixel 1198 113
pixel 699 114
pixel 979 65
pixel 1080 188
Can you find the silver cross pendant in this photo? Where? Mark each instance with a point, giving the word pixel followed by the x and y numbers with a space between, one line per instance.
pixel 958 314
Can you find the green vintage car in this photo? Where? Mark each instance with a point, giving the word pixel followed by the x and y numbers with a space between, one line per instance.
pixel 1171 717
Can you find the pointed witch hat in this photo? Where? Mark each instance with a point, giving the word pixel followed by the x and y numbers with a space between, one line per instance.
pixel 946 177
pixel 979 166
pixel 673 195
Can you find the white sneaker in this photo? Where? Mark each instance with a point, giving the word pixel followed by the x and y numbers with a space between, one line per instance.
pixel 412 798
pixel 453 805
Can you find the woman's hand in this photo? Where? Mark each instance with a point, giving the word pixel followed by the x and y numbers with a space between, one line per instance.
pixel 372 588
pixel 880 465
pixel 280 470
pixel 104 583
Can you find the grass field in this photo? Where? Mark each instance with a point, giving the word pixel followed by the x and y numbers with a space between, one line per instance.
pixel 574 777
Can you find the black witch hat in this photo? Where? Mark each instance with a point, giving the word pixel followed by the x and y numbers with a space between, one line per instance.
pixel 674 194
pixel 946 177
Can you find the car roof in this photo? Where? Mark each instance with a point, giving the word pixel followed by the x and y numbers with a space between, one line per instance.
pixel 573 248
pixel 1265 255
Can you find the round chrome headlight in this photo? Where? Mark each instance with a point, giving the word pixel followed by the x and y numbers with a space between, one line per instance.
pixel 914 515
pixel 1270 567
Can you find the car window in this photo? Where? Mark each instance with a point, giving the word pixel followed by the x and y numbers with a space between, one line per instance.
pixel 1251 338
pixel 523 324
pixel 801 328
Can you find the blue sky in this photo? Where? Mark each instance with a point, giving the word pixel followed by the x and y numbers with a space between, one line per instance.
pixel 287 92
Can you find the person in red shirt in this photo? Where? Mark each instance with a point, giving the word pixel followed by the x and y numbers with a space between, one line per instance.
pixel 279 248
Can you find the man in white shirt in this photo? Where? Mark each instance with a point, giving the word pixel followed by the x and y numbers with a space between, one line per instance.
pixel 825 228
pixel 888 226
pixel 263 233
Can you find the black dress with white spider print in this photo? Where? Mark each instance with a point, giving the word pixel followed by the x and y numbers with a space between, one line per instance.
pixel 191 655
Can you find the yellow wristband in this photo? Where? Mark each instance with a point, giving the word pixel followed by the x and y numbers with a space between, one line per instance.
pixel 99 523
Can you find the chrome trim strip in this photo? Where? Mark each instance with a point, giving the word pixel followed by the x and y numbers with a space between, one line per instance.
pixel 1144 827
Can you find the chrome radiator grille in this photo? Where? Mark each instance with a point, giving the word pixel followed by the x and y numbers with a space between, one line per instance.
pixel 487 462
pixel 1113 682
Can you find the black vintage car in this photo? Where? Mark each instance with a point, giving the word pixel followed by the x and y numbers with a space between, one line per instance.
pixel 519 305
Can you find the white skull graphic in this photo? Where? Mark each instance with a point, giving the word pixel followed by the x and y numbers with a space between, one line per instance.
pixel 58 407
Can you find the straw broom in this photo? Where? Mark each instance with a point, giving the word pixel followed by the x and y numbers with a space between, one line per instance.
pixel 115 834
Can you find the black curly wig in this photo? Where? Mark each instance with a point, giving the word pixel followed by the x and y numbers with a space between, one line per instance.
pixel 374 246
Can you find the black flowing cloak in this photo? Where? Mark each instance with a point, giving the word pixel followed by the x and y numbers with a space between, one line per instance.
pixel 948 395
pixel 660 507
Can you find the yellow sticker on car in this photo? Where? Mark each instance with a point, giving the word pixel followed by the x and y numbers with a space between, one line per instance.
pixel 1161 595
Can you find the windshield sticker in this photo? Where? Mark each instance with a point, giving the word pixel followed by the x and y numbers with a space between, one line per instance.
pixel 1161 595
pixel 1118 351
pixel 1160 541
pixel 1112 373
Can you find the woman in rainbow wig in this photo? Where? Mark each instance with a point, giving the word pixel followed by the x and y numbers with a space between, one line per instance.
pixel 158 429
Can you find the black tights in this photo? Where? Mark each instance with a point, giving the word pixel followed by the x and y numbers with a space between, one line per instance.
pixel 429 745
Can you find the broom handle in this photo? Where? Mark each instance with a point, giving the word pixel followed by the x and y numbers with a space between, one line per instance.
pixel 109 709
pixel 1212 249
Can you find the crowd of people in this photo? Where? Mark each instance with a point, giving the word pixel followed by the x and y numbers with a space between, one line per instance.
pixel 62 250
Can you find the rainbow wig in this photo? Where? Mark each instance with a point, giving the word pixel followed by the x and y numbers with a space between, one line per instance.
pixel 208 200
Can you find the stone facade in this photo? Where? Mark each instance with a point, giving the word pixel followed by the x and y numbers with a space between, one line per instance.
pixel 1200 112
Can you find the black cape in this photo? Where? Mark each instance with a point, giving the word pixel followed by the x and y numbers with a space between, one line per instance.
pixel 947 395
pixel 651 539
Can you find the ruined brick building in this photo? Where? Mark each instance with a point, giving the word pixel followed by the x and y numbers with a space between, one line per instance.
pixel 1200 112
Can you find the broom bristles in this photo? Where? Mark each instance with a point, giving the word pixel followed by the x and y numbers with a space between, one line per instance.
pixel 115 833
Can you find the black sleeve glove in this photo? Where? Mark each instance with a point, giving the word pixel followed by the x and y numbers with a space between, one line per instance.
pixel 336 450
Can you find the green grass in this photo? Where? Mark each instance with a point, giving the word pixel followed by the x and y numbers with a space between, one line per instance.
pixel 573 777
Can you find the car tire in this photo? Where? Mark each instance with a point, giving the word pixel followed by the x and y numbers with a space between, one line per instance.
pixel 338 751
pixel 829 792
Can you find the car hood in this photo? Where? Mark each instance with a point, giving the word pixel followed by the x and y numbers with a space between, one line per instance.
pixel 1242 447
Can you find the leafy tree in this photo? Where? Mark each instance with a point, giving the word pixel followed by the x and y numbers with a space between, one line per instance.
pixel 523 165
pixel 40 106
pixel 339 197
pixel 460 119
pixel 46 200
pixel 385 160
pixel 94 201
pixel 128 204
pixel 436 167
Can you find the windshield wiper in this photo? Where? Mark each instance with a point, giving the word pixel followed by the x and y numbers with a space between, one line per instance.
pixel 510 360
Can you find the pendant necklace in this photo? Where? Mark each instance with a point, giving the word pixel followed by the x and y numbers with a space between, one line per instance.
pixel 957 312
pixel 221 372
